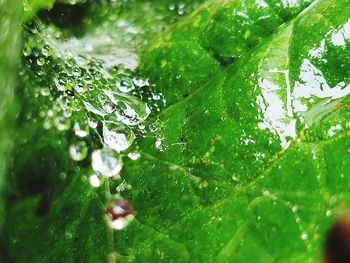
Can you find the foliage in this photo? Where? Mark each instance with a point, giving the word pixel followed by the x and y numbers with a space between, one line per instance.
pixel 245 155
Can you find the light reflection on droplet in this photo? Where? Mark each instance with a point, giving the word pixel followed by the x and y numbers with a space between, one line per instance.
pixel 94 181
pixel 81 129
pixel 78 151
pixel 134 156
pixel 106 162
pixel 117 136
pixel 304 236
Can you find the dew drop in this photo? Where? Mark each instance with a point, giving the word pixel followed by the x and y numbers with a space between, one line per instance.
pixel 129 110
pixel 47 51
pixel 294 209
pixel 171 7
pixel 62 123
pixel 140 82
pixel 106 162
pixel 304 236
pixel 94 181
pixel 125 86
pixel 266 193
pixel 60 84
pixel 40 61
pixel 79 88
pixel 117 136
pixel 153 127
pixel 134 156
pixel 67 112
pixel 45 91
pixel 70 92
pixel 78 151
pixel 27 51
pixel 156 97
pixel 76 72
pixel 159 144
pixel 92 123
pixel 107 106
pixel 81 130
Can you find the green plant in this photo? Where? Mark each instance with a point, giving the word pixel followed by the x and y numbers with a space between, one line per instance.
pixel 229 140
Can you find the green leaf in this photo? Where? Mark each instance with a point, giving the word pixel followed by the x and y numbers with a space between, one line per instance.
pixel 212 37
pixel 9 57
pixel 253 166
pixel 52 211
pixel 247 162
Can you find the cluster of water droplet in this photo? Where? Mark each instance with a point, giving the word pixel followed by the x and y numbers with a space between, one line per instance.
pixel 99 108
pixel 86 90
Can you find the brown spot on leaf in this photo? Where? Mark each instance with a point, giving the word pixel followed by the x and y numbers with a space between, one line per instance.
pixel 119 209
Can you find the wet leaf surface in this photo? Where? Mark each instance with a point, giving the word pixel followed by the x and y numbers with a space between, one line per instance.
pixel 212 151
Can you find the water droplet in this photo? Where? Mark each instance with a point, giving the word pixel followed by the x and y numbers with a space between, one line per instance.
pixel 120 214
pixel 181 11
pixel 60 84
pixel 304 236
pixel 117 136
pixel 40 61
pixel 125 86
pixel 92 123
pixel 140 82
pixel 67 112
pixel 78 151
pixel 62 123
pixel 27 51
pixel 328 213
pixel 153 127
pixel 70 92
pixel 79 88
pixel 266 193
pixel 106 162
pixel 94 181
pixel 107 106
pixel 134 156
pixel 294 209
pixel 156 97
pixel 130 110
pixel 47 51
pixel 76 72
pixel 159 144
pixel 81 130
pixel 45 91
